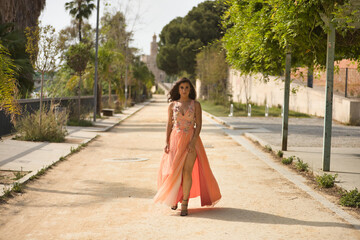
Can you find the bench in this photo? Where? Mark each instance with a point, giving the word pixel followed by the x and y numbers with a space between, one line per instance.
pixel 107 112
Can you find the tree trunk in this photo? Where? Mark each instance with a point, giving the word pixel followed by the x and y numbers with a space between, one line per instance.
pixel 41 97
pixel 99 99
pixel 80 39
pixel 110 93
pixel 79 98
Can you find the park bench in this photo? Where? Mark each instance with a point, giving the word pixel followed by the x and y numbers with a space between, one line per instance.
pixel 107 112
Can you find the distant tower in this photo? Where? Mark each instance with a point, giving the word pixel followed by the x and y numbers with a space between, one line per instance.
pixel 150 61
pixel 154 47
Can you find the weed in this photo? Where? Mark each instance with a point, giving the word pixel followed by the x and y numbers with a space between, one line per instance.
pixel 18 175
pixel 17 187
pixel 350 199
pixel 280 153
pixel 41 172
pixel 301 166
pixel 268 148
pixel 326 181
pixel 288 160
pixel 81 122
pixel 61 158
pixel 7 192
pixel 51 128
pixel 74 150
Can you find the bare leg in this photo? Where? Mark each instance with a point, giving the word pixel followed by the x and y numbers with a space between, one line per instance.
pixel 187 174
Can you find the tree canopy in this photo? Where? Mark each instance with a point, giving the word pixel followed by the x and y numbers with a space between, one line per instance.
pixel 182 38
pixel 259 33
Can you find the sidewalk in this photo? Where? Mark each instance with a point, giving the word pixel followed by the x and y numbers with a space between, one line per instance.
pixel 305 140
pixel 18 155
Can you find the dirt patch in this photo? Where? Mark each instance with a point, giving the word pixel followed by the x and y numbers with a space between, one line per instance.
pixel 8 177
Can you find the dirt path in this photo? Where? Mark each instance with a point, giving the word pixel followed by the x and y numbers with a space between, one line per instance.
pixel 87 197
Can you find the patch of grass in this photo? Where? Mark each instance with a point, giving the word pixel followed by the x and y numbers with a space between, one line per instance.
pixel 280 153
pixel 326 181
pixel 7 193
pixel 81 122
pixel 350 198
pixel 18 188
pixel 301 166
pixel 288 161
pixel 240 110
pixel 268 148
pixel 18 175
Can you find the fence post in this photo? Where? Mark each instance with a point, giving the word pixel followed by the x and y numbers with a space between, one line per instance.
pixel 346 80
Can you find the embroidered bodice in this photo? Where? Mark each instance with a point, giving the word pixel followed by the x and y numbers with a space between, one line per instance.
pixel 186 121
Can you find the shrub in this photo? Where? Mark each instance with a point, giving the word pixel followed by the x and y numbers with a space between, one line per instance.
pixel 17 188
pixel 326 181
pixel 350 199
pixel 268 148
pixel 288 160
pixel 301 166
pixel 280 153
pixel 51 129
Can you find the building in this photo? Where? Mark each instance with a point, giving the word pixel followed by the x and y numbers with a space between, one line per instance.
pixel 150 61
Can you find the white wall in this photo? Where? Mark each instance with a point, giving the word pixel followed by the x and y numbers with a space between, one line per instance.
pixel 305 100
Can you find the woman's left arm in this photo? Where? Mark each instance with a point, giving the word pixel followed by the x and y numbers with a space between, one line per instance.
pixel 198 121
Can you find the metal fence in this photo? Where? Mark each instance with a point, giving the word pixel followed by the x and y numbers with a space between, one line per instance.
pixel 32 105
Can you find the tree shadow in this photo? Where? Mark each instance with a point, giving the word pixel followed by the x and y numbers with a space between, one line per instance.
pixel 243 215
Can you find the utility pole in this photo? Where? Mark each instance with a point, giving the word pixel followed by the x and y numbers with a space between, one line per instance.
pixel 96 58
pixel 329 95
pixel 126 70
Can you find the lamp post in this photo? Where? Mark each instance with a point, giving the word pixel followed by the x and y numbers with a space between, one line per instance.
pixel 96 58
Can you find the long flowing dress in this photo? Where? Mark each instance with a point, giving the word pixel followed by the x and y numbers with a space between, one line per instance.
pixel 170 173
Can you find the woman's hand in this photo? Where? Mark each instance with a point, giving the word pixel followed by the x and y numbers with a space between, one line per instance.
pixel 167 148
pixel 191 146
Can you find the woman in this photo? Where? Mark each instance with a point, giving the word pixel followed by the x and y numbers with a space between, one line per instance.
pixel 184 169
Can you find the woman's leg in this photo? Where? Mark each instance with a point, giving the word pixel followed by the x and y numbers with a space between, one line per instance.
pixel 187 174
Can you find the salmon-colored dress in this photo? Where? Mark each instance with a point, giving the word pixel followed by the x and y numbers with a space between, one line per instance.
pixel 170 173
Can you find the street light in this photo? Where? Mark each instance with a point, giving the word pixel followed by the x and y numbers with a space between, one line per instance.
pixel 96 58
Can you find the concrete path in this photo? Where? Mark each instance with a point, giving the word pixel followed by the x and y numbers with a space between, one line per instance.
pixel 98 194
pixel 305 140
pixel 18 155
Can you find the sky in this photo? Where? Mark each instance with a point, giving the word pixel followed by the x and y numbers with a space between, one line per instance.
pixel 153 15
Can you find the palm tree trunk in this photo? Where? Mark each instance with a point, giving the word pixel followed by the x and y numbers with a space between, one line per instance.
pixel 41 96
pixel 110 93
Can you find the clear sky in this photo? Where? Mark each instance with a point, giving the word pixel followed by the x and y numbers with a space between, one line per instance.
pixel 153 16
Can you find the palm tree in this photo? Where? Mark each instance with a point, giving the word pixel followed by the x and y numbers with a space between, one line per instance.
pixel 80 9
pixel 24 13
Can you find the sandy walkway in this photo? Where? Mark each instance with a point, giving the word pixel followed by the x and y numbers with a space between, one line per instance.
pixel 86 197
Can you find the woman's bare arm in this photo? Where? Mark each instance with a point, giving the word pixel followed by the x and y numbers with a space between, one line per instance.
pixel 169 126
pixel 198 121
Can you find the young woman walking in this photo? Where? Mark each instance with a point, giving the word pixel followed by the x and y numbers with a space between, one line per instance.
pixel 184 169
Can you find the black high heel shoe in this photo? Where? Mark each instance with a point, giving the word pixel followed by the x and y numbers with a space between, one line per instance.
pixel 184 209
pixel 174 207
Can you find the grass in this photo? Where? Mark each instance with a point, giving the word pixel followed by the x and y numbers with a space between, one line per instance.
pixel 240 110
pixel 81 122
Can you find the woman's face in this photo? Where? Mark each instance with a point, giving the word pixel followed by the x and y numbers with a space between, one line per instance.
pixel 184 89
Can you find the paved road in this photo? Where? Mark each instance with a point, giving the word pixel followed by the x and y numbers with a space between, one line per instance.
pixel 91 196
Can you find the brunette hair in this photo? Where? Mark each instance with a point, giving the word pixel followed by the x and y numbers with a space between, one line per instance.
pixel 174 93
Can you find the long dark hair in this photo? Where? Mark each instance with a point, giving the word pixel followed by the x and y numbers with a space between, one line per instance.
pixel 174 93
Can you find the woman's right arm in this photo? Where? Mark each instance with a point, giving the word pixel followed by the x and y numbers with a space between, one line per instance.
pixel 169 126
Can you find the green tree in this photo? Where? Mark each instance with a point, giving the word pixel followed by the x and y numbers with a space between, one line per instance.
pixel 80 10
pixel 182 38
pixel 143 80
pixel 77 58
pixel 8 87
pixel 212 70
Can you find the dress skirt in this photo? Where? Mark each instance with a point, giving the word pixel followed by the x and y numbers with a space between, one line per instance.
pixel 169 180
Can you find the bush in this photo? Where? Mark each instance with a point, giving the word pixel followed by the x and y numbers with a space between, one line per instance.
pixel 268 148
pixel 288 160
pixel 350 199
pixel 280 153
pixel 51 129
pixel 326 181
pixel 301 166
